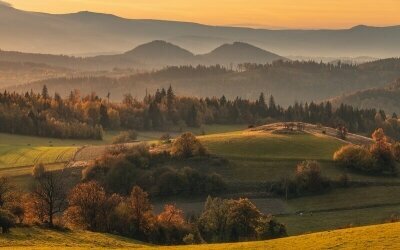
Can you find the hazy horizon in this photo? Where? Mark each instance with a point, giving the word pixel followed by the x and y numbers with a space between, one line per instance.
pixel 287 14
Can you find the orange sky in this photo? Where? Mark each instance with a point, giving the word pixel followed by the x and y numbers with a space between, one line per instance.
pixel 254 13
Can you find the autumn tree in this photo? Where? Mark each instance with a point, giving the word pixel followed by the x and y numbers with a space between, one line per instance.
pixel 86 202
pixel 213 222
pixel 140 213
pixel 187 145
pixel 309 177
pixel 233 220
pixel 243 217
pixel 171 227
pixel 356 158
pixel 381 150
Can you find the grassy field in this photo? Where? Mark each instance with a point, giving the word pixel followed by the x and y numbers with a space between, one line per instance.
pixel 262 145
pixel 256 157
pixel 260 156
pixel 19 150
pixel 385 236
pixel 35 238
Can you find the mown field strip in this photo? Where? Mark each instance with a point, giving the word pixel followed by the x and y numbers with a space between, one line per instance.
pixel 28 156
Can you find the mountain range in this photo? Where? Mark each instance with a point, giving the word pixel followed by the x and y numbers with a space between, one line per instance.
pixel 97 33
pixel 152 55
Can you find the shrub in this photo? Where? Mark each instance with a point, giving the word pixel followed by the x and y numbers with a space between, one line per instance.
pixel 309 178
pixel 270 228
pixel 7 221
pixel 233 220
pixel 187 145
pixel 126 137
pixel 356 158
pixel 380 157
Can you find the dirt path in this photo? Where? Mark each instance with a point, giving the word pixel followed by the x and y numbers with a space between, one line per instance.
pixel 319 131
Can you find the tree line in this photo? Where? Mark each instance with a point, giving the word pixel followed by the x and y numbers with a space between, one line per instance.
pixel 86 116
pixel 87 206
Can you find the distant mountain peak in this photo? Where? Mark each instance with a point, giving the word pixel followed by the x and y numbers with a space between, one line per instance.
pixel 5 4
pixel 241 52
pixel 160 45
pixel 160 52
pixel 361 26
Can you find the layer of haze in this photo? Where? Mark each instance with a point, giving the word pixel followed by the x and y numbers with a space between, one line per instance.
pixel 252 13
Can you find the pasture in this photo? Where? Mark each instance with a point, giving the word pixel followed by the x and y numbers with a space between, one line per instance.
pixel 20 150
pixel 263 145
pixel 256 158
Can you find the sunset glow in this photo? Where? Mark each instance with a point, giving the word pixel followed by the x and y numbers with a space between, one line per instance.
pixel 251 13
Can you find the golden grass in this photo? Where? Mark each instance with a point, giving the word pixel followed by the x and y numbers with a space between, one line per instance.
pixel 35 238
pixel 385 236
pixel 267 145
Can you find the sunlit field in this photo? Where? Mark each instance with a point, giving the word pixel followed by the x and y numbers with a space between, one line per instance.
pixel 383 236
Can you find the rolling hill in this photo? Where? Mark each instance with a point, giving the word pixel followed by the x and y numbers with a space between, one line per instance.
pixel 153 55
pixel 385 98
pixel 385 236
pixel 238 52
pixel 160 52
pixel 98 33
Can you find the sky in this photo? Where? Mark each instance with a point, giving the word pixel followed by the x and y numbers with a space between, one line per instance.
pixel 304 14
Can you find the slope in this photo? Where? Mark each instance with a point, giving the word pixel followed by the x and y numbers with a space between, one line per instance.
pixel 239 52
pixel 385 236
pixel 385 98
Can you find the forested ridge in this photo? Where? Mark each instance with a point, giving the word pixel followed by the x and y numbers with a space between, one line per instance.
pixel 288 81
pixel 387 98
pixel 85 116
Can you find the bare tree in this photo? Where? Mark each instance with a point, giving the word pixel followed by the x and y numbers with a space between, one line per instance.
pixel 49 191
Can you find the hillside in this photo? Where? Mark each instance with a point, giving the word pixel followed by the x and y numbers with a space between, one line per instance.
pixel 385 236
pixel 385 98
pixel 14 73
pixel 98 33
pixel 36 238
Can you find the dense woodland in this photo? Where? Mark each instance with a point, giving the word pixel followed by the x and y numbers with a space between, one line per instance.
pixel 386 98
pixel 288 81
pixel 87 116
